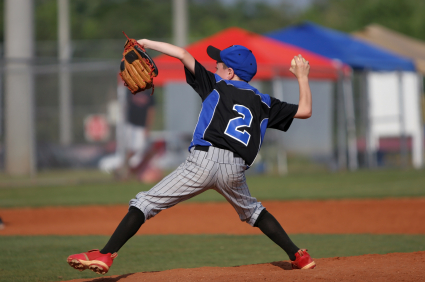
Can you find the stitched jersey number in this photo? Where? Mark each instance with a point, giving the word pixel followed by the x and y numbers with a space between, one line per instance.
pixel 234 124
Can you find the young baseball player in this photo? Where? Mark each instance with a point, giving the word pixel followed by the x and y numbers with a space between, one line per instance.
pixel 229 133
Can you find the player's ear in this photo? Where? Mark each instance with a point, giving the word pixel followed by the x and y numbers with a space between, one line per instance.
pixel 230 73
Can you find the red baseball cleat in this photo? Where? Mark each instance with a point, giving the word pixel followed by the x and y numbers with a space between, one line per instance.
pixel 93 260
pixel 303 260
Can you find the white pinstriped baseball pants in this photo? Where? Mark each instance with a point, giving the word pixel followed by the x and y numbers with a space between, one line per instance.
pixel 216 169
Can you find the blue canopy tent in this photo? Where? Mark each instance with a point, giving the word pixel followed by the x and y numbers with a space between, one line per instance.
pixel 338 45
pixel 355 53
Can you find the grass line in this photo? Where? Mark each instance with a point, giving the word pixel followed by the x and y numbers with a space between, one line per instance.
pixel 319 185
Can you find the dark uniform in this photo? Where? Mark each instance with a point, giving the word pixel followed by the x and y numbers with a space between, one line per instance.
pixel 235 115
pixel 229 133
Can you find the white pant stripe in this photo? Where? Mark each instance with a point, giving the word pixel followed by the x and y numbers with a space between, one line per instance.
pixel 216 169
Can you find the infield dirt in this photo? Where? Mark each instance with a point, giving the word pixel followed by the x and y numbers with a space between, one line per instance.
pixel 384 216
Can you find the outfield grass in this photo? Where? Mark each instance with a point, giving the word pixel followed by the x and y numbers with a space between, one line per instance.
pixel 316 185
pixel 43 258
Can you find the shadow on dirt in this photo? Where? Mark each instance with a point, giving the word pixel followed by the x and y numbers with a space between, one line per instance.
pixel 111 279
pixel 282 264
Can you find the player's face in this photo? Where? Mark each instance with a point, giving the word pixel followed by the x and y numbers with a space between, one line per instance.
pixel 221 71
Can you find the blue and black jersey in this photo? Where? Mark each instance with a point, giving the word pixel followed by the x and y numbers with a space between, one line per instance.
pixel 235 115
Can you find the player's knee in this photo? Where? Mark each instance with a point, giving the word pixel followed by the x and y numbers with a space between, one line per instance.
pixel 137 212
pixel 260 216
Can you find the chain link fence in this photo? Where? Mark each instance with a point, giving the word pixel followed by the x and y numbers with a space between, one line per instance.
pixel 93 75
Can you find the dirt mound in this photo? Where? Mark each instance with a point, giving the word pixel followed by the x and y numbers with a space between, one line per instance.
pixel 384 216
pixel 388 268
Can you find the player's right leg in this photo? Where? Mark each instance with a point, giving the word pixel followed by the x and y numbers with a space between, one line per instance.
pixel 93 260
pixel 191 178
pixel 101 261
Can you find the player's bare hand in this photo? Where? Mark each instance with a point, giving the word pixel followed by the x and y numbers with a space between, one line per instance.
pixel 300 67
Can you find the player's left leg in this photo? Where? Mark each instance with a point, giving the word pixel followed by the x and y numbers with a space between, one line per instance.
pixel 268 224
pixel 300 259
pixel 235 190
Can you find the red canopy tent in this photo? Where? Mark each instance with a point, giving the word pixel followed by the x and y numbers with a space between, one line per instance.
pixel 273 57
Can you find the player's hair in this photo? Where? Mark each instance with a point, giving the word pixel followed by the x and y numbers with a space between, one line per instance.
pixel 224 66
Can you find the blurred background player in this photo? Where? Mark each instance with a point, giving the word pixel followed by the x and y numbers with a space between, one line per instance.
pixel 140 112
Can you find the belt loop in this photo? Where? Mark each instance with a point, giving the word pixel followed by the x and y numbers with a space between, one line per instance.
pixel 202 148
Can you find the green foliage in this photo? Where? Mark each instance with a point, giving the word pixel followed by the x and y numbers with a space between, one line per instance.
pixel 46 19
pixel 208 17
pixel 153 19
pixel 2 23
pixel 350 15
pixel 43 258
pixel 325 185
pixel 105 19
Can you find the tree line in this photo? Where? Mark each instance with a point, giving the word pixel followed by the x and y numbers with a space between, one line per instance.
pixel 105 19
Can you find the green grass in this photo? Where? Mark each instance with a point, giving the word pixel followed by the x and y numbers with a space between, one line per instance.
pixel 297 186
pixel 43 258
pixel 54 176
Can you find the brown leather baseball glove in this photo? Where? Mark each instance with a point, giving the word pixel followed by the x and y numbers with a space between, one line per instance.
pixel 137 67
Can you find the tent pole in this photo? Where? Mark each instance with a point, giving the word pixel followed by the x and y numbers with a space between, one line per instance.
pixel 367 121
pixel 282 161
pixel 418 159
pixel 121 121
pixel 341 120
pixel 351 121
pixel 65 76
pixel 403 140
pixel 19 101
pixel 180 22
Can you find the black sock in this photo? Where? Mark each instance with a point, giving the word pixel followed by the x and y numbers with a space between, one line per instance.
pixel 126 229
pixel 271 227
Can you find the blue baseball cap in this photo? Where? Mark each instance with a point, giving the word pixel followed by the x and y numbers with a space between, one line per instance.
pixel 237 57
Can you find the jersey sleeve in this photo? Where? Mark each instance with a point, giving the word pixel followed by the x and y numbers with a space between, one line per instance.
pixel 202 81
pixel 281 114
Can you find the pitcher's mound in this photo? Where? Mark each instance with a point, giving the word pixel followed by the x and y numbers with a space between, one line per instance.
pixel 387 268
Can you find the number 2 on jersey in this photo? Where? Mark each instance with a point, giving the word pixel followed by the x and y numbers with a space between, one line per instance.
pixel 234 124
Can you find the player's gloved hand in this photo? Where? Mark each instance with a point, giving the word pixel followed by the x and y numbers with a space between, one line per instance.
pixel 137 67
